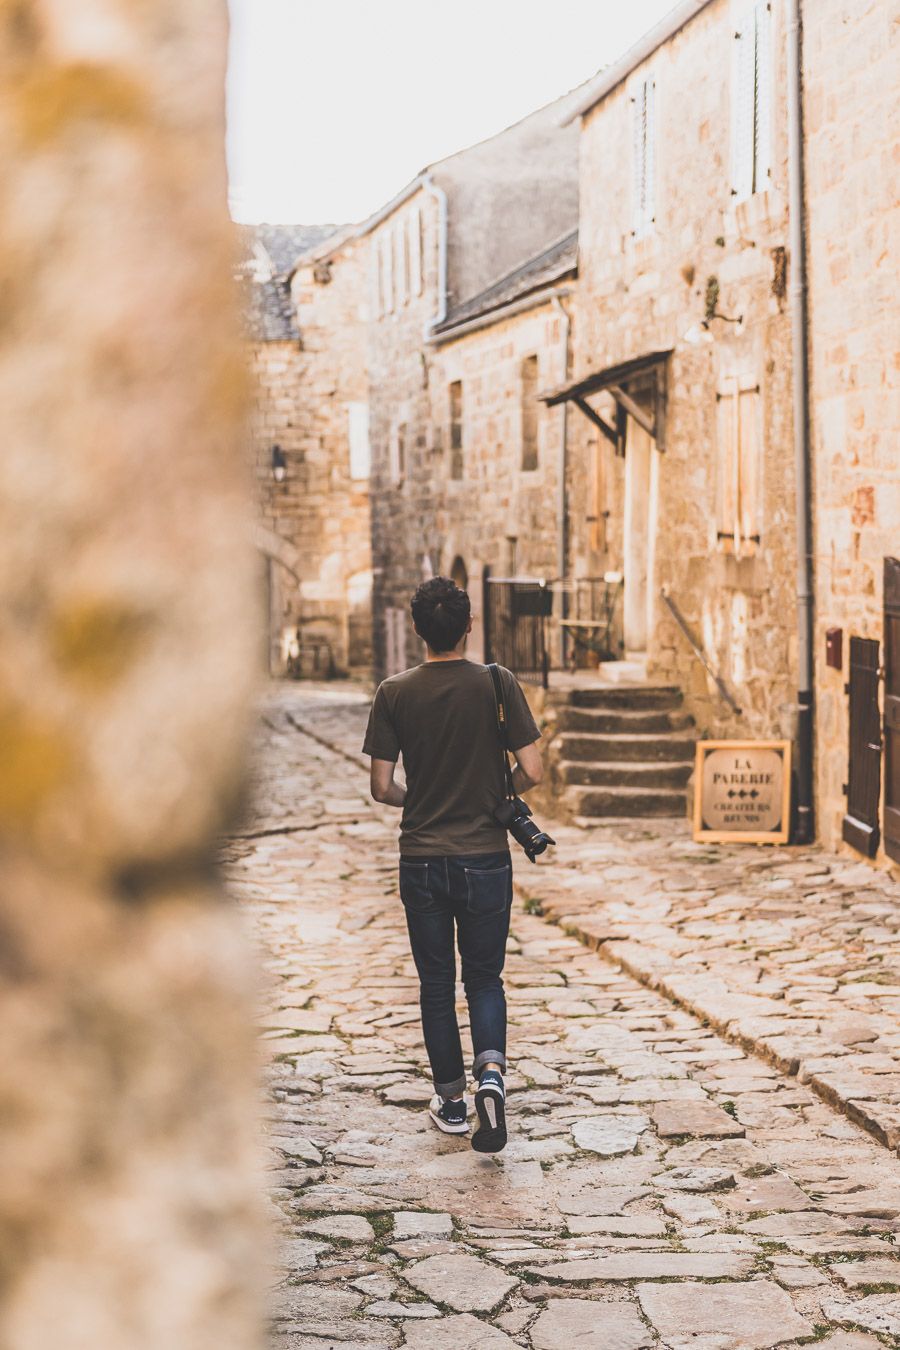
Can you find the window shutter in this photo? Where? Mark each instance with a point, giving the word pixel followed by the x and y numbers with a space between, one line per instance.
pixel 358 435
pixel 744 109
pixel 387 255
pixel 726 447
pixel 763 101
pixel 748 469
pixel 414 225
pixel 638 171
pixel 649 153
pixel 374 282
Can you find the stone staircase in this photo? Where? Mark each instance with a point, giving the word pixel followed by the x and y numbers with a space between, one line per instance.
pixel 618 750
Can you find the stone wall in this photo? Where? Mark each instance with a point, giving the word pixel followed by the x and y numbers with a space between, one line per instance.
pixel 850 69
pixel 319 568
pixel 405 540
pixel 647 293
pixel 499 516
pixel 128 1218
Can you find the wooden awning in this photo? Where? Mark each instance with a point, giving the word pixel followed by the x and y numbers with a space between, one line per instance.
pixel 639 390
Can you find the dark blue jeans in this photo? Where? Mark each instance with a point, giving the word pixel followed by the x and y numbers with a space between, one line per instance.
pixel 474 895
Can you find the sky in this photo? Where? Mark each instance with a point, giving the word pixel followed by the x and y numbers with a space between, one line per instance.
pixel 334 105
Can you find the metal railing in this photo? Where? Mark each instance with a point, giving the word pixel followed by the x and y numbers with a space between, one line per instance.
pixel 515 626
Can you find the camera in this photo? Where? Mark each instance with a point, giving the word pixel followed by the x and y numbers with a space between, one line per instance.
pixel 515 815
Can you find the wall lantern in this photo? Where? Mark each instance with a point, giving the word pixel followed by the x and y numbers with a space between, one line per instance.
pixel 279 464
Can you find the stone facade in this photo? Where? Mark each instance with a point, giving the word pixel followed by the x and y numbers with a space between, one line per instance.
pixel 502 516
pixel 129 1210
pixel 451 237
pixel 679 240
pixel 854 246
pixel 311 390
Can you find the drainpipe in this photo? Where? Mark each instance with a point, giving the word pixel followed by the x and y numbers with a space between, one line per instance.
pixel 802 467
pixel 562 499
pixel 440 197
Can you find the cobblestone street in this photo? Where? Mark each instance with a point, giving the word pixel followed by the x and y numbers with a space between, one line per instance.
pixel 670 1181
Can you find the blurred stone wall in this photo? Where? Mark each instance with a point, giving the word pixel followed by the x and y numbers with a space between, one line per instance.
pixel 853 203
pixel 128 649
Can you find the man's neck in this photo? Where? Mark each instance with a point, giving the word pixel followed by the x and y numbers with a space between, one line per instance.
pixel 458 654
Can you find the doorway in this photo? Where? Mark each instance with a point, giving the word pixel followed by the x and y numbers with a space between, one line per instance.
pixel 641 488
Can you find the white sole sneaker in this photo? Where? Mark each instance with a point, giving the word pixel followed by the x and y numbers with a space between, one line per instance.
pixel 448 1127
pixel 490 1104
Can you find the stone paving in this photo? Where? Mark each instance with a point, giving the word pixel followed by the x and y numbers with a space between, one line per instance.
pixel 662 1187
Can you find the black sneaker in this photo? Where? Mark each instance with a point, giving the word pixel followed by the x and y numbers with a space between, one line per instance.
pixel 490 1103
pixel 449 1115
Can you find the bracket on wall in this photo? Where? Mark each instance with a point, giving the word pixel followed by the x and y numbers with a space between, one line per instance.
pixel 619 382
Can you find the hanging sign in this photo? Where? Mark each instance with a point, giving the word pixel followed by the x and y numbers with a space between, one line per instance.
pixel 742 792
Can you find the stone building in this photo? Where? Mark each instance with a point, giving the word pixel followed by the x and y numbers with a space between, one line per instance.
pixel 853 207
pixel 682 360
pixel 310 444
pixel 472 236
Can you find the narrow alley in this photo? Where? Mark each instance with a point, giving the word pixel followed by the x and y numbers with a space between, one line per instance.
pixel 662 1186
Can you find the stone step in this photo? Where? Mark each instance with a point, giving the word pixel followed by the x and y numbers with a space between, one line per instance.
pixel 612 721
pixel 658 696
pixel 623 802
pixel 598 749
pixel 636 774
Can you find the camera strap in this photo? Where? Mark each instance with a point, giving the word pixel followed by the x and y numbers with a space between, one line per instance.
pixel 500 709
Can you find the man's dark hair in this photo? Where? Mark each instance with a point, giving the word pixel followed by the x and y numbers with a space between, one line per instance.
pixel 441 613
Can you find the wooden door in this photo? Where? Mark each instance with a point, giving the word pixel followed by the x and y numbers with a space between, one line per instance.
pixel 892 707
pixel 860 824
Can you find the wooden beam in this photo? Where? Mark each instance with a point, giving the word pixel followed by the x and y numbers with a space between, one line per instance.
pixel 661 393
pixel 593 416
pixel 633 409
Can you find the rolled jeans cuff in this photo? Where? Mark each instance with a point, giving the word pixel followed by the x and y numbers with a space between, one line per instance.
pixel 454 1089
pixel 488 1057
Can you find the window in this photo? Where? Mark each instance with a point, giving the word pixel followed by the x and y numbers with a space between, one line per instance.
pixel 387 274
pixel 414 230
pixel 644 168
pixel 401 263
pixel 397 452
pixel 529 413
pixel 456 429
pixel 358 436
pixel 738 470
pixel 752 117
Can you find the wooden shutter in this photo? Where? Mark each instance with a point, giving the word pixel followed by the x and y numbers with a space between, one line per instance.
pixel 649 154
pixel 726 465
pixel 387 260
pixel 358 436
pixel 748 470
pixel 892 707
pixel 743 129
pixel 639 160
pixel 762 129
pixel 401 264
pixel 529 413
pixel 860 826
pixel 414 226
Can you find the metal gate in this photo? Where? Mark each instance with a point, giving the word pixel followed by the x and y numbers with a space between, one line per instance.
pixel 863 788
pixel 892 707
pixel 515 627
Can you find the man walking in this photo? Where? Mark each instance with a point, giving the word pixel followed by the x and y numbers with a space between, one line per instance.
pixel 455 868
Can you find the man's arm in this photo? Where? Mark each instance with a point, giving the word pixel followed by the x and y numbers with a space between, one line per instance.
pixel 529 770
pixel 383 787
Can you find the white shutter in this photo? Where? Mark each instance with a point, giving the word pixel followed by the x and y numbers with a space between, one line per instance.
pixel 414 225
pixel 358 436
pixel 401 263
pixel 374 283
pixel 638 161
pixel 743 108
pixel 763 110
pixel 649 154
pixel 387 263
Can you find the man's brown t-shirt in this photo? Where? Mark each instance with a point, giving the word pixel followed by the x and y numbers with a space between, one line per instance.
pixel 441 717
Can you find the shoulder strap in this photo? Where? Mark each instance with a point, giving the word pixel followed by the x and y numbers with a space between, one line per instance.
pixel 500 709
